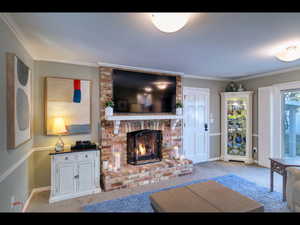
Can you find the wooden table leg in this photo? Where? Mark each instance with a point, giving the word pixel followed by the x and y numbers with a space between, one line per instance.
pixel 284 186
pixel 271 179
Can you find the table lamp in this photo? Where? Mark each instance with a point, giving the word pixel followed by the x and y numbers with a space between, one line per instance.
pixel 59 128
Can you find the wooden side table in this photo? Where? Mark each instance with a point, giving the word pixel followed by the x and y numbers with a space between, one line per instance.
pixel 279 166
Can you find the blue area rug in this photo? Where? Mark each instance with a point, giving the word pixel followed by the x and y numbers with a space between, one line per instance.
pixel 140 202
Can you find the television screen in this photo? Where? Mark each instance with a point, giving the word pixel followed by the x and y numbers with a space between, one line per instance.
pixel 136 92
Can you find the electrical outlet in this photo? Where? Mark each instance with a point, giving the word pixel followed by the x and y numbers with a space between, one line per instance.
pixel 12 200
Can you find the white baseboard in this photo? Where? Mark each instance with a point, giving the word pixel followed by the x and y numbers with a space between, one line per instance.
pixel 214 159
pixel 34 191
pixel 74 195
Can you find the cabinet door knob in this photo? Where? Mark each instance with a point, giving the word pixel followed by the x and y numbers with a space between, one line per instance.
pixel 86 156
pixel 76 177
pixel 66 158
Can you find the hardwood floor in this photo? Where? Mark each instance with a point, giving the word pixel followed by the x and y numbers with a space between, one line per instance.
pixel 254 173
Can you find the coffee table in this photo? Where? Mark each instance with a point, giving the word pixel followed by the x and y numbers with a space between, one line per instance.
pixel 208 196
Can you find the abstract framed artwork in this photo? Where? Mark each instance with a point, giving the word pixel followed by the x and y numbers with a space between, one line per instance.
pixel 69 99
pixel 19 102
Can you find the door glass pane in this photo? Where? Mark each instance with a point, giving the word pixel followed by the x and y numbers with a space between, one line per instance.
pixel 291 123
pixel 236 125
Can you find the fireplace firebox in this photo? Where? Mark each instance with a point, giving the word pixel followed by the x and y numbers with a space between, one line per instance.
pixel 144 146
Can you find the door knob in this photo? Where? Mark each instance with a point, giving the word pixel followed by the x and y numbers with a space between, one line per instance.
pixel 77 176
pixel 205 127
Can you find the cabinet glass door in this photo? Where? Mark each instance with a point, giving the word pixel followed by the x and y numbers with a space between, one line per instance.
pixel 236 126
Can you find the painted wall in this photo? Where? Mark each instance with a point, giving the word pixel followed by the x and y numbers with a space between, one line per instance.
pixel 52 69
pixel 215 88
pixel 253 85
pixel 21 181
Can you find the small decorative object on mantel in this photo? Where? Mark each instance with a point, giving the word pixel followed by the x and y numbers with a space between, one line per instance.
pixel 231 87
pixel 241 87
pixel 105 165
pixel 109 108
pixel 110 167
pixel 117 156
pixel 176 152
pixel 179 108
pixel 181 157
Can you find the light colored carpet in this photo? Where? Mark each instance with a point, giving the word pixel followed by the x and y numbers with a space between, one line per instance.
pixel 256 174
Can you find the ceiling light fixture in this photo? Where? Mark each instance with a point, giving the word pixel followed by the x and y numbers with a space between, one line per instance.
pixel 170 22
pixel 289 54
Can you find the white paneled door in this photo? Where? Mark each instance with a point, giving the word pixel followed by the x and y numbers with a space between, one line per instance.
pixel 195 124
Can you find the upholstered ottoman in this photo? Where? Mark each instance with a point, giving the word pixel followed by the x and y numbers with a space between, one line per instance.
pixel 203 197
pixel 293 188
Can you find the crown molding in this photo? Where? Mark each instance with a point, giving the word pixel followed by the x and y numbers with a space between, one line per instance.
pixel 69 62
pixel 206 78
pixel 138 68
pixel 9 21
pixel 266 74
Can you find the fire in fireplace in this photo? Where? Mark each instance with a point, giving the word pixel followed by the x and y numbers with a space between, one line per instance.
pixel 144 146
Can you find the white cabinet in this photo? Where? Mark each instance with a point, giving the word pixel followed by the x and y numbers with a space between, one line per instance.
pixel 236 116
pixel 74 174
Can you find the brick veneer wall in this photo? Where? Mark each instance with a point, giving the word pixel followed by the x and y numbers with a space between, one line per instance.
pixel 111 143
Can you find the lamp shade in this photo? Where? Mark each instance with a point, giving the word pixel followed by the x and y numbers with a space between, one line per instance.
pixel 59 126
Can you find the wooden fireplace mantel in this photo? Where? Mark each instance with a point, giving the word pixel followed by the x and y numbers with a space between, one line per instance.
pixel 118 118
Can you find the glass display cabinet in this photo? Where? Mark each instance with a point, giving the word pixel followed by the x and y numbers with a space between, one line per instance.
pixel 236 126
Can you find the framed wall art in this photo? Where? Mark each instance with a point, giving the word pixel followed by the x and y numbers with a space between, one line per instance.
pixel 19 102
pixel 68 100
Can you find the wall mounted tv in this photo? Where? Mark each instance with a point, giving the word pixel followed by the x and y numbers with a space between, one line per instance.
pixel 137 92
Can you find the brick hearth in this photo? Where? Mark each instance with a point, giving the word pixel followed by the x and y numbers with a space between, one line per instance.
pixel 130 175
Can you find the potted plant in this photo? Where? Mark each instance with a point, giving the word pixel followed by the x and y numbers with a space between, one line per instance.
pixel 109 108
pixel 178 108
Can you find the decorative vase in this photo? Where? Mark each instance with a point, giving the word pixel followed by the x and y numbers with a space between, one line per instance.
pixel 109 111
pixel 178 111
pixel 240 87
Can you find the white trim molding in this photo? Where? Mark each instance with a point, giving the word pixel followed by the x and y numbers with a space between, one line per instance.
pixel 214 159
pixel 119 66
pixel 266 74
pixel 11 169
pixel 17 32
pixel 79 63
pixel 206 77
pixel 214 134
pixel 34 191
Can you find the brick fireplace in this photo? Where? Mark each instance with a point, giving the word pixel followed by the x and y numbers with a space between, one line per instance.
pixel 149 162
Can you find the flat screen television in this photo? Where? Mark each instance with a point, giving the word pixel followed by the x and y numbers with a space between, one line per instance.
pixel 136 92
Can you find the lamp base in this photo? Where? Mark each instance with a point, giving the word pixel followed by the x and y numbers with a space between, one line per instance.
pixel 59 146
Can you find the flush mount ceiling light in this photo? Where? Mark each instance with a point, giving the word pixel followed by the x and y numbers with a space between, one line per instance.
pixel 170 22
pixel 289 54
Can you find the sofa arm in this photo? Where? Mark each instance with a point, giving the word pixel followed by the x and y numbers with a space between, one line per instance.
pixel 294 172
